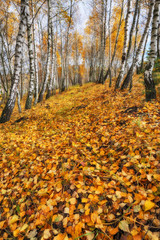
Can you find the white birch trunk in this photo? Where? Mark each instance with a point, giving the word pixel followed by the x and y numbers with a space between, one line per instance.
pixel 128 78
pixel 116 41
pixel 148 80
pixel 109 30
pixel 8 109
pixel 35 57
pixel 28 104
pixel 124 55
pixel 52 78
pixel 48 54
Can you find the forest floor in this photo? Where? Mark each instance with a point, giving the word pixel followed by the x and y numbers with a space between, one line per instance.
pixel 82 165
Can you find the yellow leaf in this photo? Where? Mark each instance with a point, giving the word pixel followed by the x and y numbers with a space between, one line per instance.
pixel 157 177
pixel 94 217
pixel 148 205
pixel 16 233
pixel 78 229
pixel 46 233
pixel 2 224
pixel 103 139
pixel 24 227
pixel 89 235
pixel 84 200
pixel 13 219
pixel 60 236
pixel 123 225
pixel 110 217
pixel 73 201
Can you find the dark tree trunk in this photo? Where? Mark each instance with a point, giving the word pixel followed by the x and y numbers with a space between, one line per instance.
pixel 149 83
pixel 128 78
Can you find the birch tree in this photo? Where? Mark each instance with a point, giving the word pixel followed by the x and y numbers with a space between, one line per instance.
pixel 35 55
pixel 103 19
pixel 51 84
pixel 44 86
pixel 8 109
pixel 135 62
pixel 31 62
pixel 116 41
pixel 148 80
pixel 124 55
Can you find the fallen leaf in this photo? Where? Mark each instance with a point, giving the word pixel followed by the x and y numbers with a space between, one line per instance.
pixel 89 235
pixel 24 227
pixel 16 233
pixel 13 219
pixel 73 201
pixel 2 224
pixel 124 226
pixel 148 205
pixel 94 217
pixel 32 234
pixel 46 234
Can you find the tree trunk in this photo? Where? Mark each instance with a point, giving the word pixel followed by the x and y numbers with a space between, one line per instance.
pixel 144 50
pixel 8 109
pixel 48 54
pixel 109 31
pixel 28 104
pixel 128 78
pixel 158 42
pixel 52 78
pixel 102 41
pixel 148 80
pixel 116 42
pixel 124 55
pixel 132 27
pixel 35 58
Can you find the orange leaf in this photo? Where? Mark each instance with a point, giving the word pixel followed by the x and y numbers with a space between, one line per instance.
pixel 94 217
pixel 113 231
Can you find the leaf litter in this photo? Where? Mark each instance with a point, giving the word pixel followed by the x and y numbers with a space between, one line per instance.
pixel 82 165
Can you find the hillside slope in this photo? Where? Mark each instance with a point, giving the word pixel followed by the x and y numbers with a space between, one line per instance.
pixel 82 165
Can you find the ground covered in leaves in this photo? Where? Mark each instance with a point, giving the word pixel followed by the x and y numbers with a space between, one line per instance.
pixel 82 165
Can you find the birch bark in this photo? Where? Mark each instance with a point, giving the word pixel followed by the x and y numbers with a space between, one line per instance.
pixel 128 78
pixel 8 109
pixel 28 104
pixel 148 80
pixel 116 41
pixel 124 55
pixel 35 57
pixel 52 78
pixel 44 86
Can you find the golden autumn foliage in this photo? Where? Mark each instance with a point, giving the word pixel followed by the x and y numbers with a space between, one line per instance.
pixel 82 165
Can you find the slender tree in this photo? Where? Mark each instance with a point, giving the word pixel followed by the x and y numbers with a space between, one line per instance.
pixel 31 62
pixel 51 84
pixel 148 80
pixel 35 55
pixel 103 21
pixel 44 86
pixel 8 109
pixel 109 31
pixel 135 62
pixel 116 41
pixel 124 55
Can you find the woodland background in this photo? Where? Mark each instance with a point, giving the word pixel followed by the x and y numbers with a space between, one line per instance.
pixel 79 132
